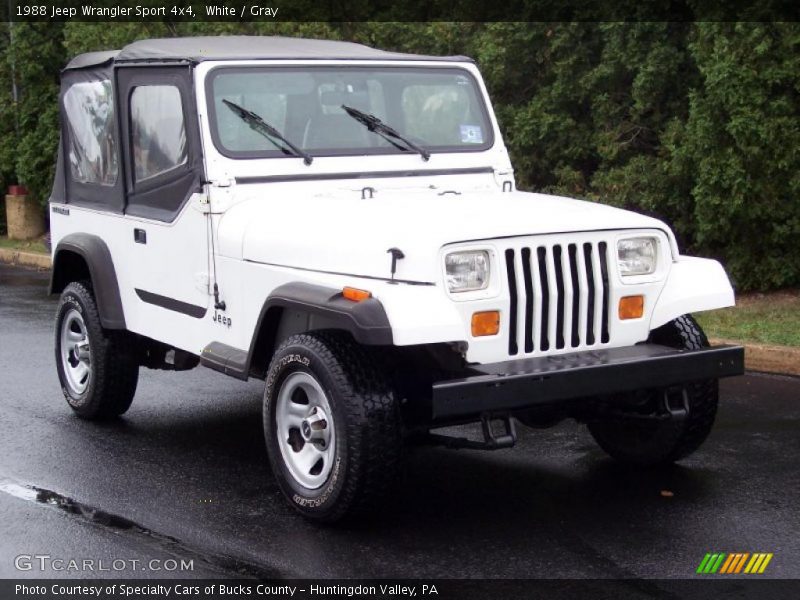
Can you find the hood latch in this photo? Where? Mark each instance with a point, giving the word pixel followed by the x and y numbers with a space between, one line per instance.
pixel 397 254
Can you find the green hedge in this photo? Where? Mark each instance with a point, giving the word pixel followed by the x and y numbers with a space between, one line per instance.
pixel 696 123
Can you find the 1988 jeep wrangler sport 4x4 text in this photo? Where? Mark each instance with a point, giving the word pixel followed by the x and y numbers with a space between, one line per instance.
pixel 343 223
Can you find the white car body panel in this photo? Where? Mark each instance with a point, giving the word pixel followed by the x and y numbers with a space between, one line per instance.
pixel 694 285
pixel 173 263
pixel 356 231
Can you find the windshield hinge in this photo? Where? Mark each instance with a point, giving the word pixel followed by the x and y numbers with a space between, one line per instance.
pixel 505 179
pixel 200 202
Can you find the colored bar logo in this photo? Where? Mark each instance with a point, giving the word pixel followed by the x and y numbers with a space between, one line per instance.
pixel 734 563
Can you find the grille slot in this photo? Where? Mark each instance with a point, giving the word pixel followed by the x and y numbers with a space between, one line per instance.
pixel 526 270
pixel 604 271
pixel 512 311
pixel 544 321
pixel 575 339
pixel 589 266
pixel 559 296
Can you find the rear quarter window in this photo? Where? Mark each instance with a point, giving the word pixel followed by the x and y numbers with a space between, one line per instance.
pixel 92 151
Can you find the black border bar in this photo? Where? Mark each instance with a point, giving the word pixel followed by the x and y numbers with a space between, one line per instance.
pixel 348 11
pixel 446 589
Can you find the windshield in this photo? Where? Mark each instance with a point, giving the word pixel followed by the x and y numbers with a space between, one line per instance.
pixel 438 109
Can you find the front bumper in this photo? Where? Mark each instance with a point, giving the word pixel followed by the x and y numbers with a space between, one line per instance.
pixel 526 383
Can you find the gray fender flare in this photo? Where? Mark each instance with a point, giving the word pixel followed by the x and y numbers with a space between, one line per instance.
pixel 366 321
pixel 95 253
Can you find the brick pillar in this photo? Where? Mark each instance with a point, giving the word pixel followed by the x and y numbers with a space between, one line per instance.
pixel 24 217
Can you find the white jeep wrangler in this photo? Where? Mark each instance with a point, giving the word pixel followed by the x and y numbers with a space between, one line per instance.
pixel 343 223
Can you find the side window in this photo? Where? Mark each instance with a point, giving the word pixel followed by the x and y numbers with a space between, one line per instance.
pixel 158 134
pixel 89 108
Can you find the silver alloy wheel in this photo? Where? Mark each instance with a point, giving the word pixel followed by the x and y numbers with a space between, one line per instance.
pixel 305 430
pixel 76 356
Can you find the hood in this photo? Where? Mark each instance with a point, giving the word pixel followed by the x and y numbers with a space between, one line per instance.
pixel 342 233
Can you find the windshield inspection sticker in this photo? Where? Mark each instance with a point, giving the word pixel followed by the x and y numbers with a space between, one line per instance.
pixel 471 134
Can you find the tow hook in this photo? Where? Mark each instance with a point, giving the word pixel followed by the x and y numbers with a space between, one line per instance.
pixel 492 440
pixel 676 403
pixel 673 406
pixel 506 439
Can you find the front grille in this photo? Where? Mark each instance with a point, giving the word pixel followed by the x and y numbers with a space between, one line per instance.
pixel 559 296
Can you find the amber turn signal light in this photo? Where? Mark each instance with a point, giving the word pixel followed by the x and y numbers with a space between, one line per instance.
pixel 631 307
pixel 485 323
pixel 355 294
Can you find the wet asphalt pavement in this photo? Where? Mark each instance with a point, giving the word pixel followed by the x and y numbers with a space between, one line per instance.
pixel 184 475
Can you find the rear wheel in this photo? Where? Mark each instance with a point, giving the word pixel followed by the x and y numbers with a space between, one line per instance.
pixel 97 368
pixel 331 425
pixel 656 428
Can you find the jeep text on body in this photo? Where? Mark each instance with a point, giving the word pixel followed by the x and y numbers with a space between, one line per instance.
pixel 343 223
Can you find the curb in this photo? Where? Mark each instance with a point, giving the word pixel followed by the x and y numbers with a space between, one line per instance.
pixel 784 360
pixel 25 259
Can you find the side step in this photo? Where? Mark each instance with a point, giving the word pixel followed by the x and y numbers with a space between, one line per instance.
pixel 225 359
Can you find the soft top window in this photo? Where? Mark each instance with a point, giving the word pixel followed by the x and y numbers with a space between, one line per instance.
pixel 440 109
pixel 92 152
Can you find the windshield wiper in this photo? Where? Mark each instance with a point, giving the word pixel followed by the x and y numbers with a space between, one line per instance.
pixel 268 131
pixel 375 125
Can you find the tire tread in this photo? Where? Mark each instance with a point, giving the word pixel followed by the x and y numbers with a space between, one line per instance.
pixel 683 332
pixel 115 369
pixel 374 436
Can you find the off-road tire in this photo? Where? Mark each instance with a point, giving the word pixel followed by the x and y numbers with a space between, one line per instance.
pixel 114 371
pixel 366 418
pixel 646 443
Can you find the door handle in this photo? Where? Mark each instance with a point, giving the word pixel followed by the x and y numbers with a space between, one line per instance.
pixel 140 236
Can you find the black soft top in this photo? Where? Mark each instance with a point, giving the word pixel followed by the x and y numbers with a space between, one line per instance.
pixel 242 47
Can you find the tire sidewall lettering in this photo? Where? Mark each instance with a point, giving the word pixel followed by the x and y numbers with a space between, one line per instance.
pixel 329 488
pixel 70 301
pixel 298 360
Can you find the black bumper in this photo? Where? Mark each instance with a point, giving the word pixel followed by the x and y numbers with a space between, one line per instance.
pixel 520 384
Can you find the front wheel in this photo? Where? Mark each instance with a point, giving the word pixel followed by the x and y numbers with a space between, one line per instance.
pixel 97 368
pixel 331 424
pixel 659 429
